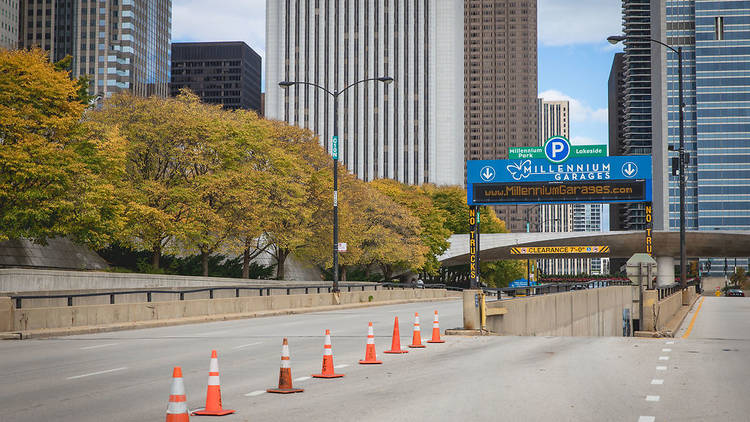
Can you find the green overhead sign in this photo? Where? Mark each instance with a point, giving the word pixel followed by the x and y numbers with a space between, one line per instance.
pixel 576 151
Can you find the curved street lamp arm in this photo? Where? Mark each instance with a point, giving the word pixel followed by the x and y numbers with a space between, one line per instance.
pixel 665 45
pixel 355 83
pixel 312 84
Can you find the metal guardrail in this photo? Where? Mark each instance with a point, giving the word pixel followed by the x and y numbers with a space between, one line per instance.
pixel 149 292
pixel 669 290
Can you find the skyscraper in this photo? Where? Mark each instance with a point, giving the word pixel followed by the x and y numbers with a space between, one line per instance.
pixel 616 109
pixel 410 130
pixel 9 24
pixel 716 72
pixel 500 85
pixel 121 45
pixel 226 73
pixel 554 120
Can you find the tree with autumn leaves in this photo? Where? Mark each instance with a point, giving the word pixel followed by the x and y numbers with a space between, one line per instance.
pixel 174 175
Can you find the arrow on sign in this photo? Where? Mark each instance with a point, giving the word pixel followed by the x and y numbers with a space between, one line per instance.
pixel 629 169
pixel 487 173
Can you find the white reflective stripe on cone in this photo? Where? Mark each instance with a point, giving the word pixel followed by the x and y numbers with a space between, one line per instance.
pixel 178 387
pixel 177 408
pixel 214 366
pixel 435 325
pixel 327 352
pixel 213 380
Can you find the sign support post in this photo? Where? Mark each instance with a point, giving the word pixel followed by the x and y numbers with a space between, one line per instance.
pixel 474 247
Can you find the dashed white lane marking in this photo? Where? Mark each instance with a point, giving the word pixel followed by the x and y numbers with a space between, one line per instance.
pixel 657 382
pixel 670 342
pixel 666 350
pixel 652 398
pixel 255 393
pixel 661 368
pixel 246 345
pixel 99 346
pixel 97 373
pixel 302 379
pixel 343 365
pixel 663 357
pixel 646 419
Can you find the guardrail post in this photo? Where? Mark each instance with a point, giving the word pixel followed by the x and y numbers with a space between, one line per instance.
pixel 18 303
pixel 237 292
pixel 318 289
pixel 288 291
pixel 348 288
pixel 268 291
pixel 112 299
pixel 363 288
pixel 260 291
pixel 148 296
pixel 306 290
pixel 329 290
pixel 210 293
pixel 182 296
pixel 70 300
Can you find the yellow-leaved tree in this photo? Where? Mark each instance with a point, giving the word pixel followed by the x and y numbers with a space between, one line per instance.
pixel 58 176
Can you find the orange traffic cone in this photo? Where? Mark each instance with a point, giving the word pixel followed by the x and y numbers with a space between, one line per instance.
pixel 213 395
pixel 285 373
pixel 396 341
pixel 370 357
pixel 416 340
pixel 327 370
pixel 177 410
pixel 436 331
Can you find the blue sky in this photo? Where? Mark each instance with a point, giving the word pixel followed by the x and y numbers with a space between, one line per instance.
pixel 574 58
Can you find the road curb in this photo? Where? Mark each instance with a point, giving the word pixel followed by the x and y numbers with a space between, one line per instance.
pixel 21 335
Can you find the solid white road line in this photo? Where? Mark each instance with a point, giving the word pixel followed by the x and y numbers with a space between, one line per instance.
pixel 343 365
pixel 246 345
pixel 657 382
pixel 255 393
pixel 212 332
pixel 97 373
pixel 666 350
pixel 302 379
pixel 646 419
pixel 99 346
pixel 670 342
pixel 663 357
pixel 652 398
pixel 661 368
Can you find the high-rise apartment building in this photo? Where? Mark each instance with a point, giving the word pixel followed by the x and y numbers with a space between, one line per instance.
pixel 121 45
pixel 616 109
pixel 554 120
pixel 500 85
pixel 226 73
pixel 9 24
pixel 410 130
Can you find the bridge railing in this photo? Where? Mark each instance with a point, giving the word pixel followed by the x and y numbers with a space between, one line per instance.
pixel 547 288
pixel 263 290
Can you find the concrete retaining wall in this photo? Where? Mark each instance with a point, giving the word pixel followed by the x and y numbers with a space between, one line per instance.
pixel 592 312
pixel 657 313
pixel 28 280
pixel 92 315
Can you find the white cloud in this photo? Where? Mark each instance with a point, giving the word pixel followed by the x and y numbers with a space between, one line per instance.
pixel 580 112
pixel 566 22
pixel 225 20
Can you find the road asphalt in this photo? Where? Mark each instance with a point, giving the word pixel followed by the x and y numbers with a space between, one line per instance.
pixel 125 376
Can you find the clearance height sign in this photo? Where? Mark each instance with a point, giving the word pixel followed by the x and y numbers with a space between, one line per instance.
pixel 556 250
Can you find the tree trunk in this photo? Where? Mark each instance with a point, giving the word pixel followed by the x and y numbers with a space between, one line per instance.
pixel 156 256
pixel 246 263
pixel 281 255
pixel 387 273
pixel 204 263
pixel 343 273
pixel 368 271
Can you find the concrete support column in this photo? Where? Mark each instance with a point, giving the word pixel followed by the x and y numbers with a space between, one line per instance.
pixel 472 302
pixel 6 314
pixel 664 270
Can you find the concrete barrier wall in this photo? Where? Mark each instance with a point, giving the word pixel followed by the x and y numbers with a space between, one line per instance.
pixel 592 312
pixel 92 315
pixel 28 280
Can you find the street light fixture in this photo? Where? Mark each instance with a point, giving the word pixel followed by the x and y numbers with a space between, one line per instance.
pixel 614 39
pixel 335 151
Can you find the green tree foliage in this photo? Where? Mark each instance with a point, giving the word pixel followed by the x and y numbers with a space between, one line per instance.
pixel 58 176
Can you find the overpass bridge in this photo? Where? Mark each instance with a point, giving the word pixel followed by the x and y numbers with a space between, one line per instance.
pixel 622 244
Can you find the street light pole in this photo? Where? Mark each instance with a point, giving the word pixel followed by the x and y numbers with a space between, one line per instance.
pixel 335 152
pixel 683 254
